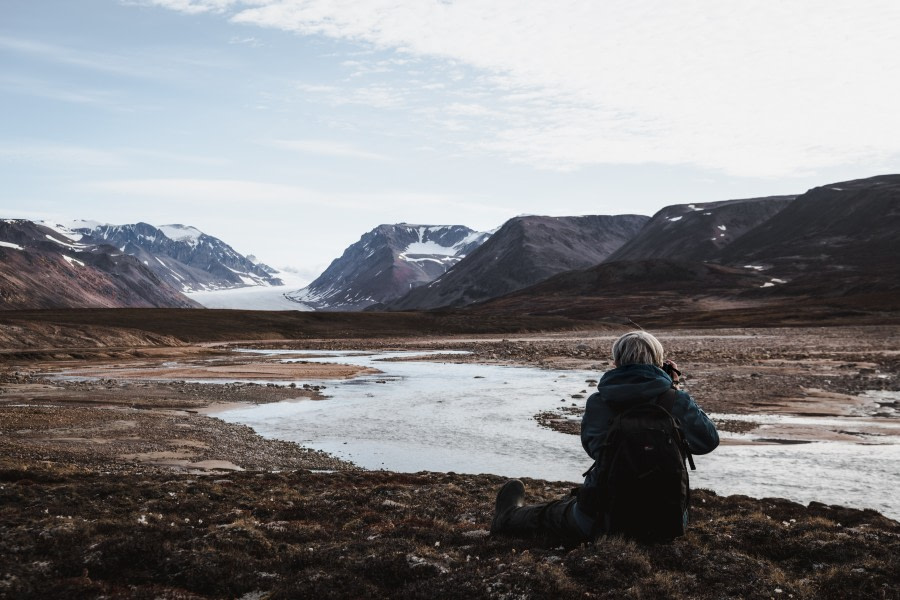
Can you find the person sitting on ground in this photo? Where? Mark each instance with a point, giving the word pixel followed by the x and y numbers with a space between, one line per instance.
pixel 641 377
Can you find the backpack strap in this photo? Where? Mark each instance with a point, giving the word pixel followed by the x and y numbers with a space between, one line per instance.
pixel 666 400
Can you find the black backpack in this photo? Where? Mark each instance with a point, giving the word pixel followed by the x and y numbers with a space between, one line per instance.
pixel 643 488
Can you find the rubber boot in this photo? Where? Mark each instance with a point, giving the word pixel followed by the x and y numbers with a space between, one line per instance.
pixel 524 521
pixel 554 520
pixel 510 497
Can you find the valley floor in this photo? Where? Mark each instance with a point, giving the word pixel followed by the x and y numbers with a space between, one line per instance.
pixel 124 487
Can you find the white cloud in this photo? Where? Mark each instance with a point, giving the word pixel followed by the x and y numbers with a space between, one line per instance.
pixel 326 148
pixel 313 88
pixel 210 191
pixel 265 196
pixel 69 93
pixel 245 41
pixel 750 88
pixel 376 96
pixel 58 154
pixel 150 64
pixel 177 157
pixel 379 96
pixel 68 56
pixel 191 7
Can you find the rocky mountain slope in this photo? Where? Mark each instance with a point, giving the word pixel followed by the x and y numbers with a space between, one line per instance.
pixel 184 257
pixel 41 267
pixel 831 251
pixel 698 231
pixel 386 263
pixel 626 292
pixel 843 232
pixel 524 251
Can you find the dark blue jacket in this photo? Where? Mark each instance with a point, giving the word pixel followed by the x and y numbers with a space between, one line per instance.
pixel 635 384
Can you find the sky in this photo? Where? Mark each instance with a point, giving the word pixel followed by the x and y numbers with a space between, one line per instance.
pixel 289 128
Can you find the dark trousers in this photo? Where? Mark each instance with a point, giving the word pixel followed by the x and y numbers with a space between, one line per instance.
pixel 555 520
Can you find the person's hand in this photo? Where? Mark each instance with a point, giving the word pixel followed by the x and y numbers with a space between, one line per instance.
pixel 671 368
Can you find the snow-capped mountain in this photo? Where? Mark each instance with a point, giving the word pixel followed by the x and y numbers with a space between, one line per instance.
pixel 183 256
pixel 53 267
pixel 386 263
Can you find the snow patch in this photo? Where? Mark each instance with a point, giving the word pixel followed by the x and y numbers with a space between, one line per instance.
pixel 61 243
pixel 673 219
pixel 181 233
pixel 248 278
pixel 72 261
pixel 432 248
pixel 66 230
pixel 430 259
pixel 474 236
pixel 11 245
pixel 174 273
pixel 722 227
pixel 79 224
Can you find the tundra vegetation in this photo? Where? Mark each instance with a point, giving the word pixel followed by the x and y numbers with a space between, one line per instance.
pixel 122 487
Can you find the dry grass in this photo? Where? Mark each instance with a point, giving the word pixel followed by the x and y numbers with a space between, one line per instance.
pixel 71 533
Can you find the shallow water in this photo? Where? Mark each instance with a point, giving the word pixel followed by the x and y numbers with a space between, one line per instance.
pixel 472 418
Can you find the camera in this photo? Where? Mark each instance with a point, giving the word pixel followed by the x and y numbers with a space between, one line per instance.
pixel 671 371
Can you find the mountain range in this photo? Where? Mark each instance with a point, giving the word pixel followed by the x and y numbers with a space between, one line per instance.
pixel 88 264
pixel 524 251
pixel 184 257
pixel 698 231
pixel 834 243
pixel 50 267
pixel 829 251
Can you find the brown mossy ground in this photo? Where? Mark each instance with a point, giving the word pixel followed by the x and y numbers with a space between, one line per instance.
pixel 77 520
pixel 72 533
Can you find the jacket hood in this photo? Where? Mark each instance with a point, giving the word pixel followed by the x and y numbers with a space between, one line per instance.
pixel 632 384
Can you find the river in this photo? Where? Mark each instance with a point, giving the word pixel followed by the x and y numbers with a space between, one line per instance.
pixel 475 418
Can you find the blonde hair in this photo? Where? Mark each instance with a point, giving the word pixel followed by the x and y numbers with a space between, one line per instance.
pixel 637 348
